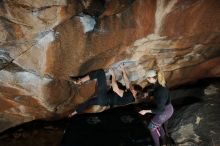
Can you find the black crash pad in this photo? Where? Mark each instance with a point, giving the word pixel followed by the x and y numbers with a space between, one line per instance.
pixel 121 126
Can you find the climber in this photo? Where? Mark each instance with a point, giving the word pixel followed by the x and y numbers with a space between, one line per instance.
pixel 148 94
pixel 113 97
pixel 163 110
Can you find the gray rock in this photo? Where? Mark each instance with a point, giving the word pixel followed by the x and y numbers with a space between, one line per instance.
pixel 197 124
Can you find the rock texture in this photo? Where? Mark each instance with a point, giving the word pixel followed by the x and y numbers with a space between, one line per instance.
pixel 197 124
pixel 42 43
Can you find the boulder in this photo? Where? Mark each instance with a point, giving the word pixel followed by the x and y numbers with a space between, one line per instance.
pixel 42 43
pixel 198 123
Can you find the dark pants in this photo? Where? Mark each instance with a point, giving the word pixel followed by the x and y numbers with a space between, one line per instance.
pixel 101 91
pixel 155 126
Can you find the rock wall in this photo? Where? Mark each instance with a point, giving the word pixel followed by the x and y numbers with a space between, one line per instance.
pixel 42 43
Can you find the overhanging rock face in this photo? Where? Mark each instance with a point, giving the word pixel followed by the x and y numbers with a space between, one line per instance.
pixel 42 43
